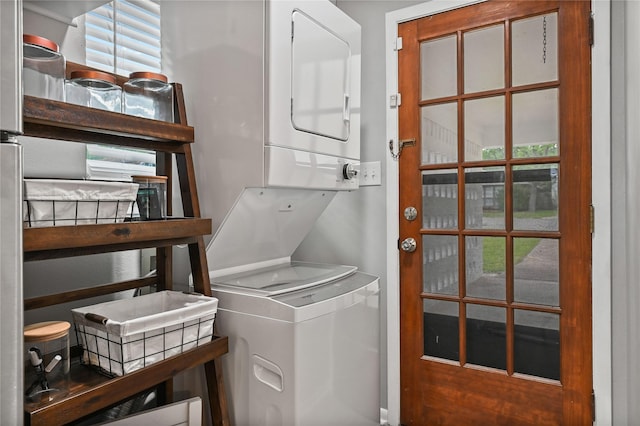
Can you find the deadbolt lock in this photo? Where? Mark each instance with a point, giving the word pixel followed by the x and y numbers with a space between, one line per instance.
pixel 410 213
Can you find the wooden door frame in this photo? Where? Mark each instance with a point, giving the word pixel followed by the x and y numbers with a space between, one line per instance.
pixel 601 188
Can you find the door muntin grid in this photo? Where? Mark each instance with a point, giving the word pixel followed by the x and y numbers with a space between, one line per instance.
pixel 497 291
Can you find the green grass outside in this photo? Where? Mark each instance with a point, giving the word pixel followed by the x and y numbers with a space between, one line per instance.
pixel 493 251
pixel 525 215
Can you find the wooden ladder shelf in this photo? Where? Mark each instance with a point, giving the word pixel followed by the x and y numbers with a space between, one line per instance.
pixel 89 390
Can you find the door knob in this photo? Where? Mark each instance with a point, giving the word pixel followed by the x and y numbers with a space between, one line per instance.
pixel 409 245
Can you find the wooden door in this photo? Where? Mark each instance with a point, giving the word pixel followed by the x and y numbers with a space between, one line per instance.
pixel 496 297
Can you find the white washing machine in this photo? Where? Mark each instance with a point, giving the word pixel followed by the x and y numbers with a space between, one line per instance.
pixel 303 337
pixel 306 357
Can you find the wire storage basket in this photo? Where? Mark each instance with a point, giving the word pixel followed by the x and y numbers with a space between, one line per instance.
pixel 59 202
pixel 122 336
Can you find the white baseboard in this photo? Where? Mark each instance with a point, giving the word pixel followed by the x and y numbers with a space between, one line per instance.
pixel 384 417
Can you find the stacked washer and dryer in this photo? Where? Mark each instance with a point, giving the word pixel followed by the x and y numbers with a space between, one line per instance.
pixel 273 89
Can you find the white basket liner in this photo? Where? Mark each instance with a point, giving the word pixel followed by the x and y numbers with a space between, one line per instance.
pixel 144 330
pixel 42 193
pixel 142 314
pixel 74 190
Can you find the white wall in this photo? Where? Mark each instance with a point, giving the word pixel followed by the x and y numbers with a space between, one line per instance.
pixel 352 230
pixel 625 196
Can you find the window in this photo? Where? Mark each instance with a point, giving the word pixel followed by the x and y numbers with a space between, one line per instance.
pixel 122 37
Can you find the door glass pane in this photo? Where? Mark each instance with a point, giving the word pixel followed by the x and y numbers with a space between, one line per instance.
pixel 484 59
pixel 536 268
pixel 535 197
pixel 440 199
pixel 485 267
pixel 440 260
pixel 439 133
pixel 438 63
pixel 537 344
pixel 484 129
pixel 484 198
pixel 535 124
pixel 486 341
pixel 441 329
pixel 534 53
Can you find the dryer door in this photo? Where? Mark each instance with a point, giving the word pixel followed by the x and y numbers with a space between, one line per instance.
pixel 321 63
pixel 313 70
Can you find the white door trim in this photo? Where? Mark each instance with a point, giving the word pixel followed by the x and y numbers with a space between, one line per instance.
pixel 600 197
pixel 601 185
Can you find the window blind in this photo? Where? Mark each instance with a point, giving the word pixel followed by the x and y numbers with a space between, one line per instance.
pixel 124 36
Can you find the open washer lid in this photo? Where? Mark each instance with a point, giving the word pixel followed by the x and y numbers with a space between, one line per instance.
pixel 252 248
pixel 283 278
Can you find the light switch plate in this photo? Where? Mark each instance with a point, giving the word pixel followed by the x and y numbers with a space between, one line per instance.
pixel 370 173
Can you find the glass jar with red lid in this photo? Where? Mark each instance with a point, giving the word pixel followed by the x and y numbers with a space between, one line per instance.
pixel 148 95
pixel 94 89
pixel 43 68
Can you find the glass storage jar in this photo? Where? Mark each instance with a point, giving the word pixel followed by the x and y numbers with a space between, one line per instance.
pixel 46 361
pixel 94 89
pixel 43 68
pixel 148 95
pixel 152 196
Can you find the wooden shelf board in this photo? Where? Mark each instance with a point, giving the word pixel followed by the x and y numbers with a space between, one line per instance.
pixel 65 121
pixel 100 238
pixel 91 391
